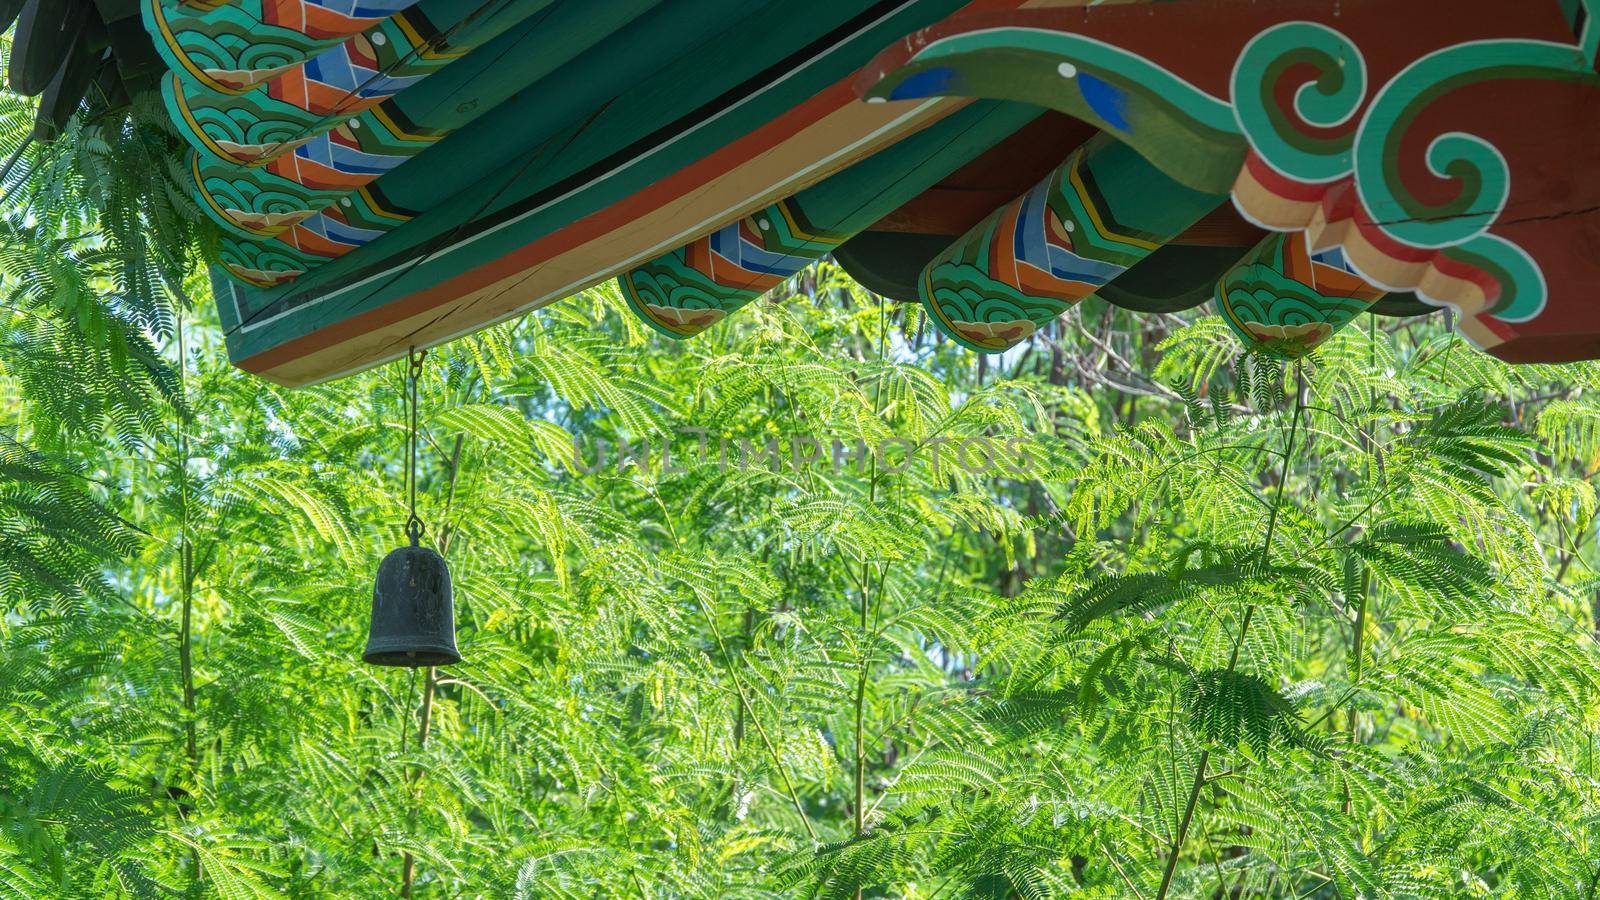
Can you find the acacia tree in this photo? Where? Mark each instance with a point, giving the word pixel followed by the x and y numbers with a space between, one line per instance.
pixel 1242 628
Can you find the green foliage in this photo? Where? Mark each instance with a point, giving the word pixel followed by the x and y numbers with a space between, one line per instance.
pixel 1229 707
pixel 1338 618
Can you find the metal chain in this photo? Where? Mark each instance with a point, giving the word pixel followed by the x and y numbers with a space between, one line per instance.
pixel 414 526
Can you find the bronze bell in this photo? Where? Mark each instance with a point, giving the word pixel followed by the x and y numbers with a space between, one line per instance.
pixel 413 613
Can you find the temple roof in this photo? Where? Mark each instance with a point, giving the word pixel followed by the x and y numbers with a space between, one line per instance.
pixel 387 174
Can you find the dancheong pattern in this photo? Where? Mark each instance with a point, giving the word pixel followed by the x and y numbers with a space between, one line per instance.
pixel 328 234
pixel 237 46
pixel 1100 212
pixel 248 128
pixel 387 174
pixel 302 102
pixel 1283 300
pixel 305 200
pixel 319 130
pixel 1380 146
pixel 692 288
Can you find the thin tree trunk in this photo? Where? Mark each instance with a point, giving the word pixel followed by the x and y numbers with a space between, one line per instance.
pixel 1357 657
pixel 186 564
pixel 1244 629
pixel 191 742
pixel 186 575
pixel 1358 650
pixel 429 680
pixel 861 697
pixel 860 779
pixel 746 636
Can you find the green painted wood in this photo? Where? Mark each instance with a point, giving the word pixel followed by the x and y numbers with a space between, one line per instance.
pixel 686 291
pixel 253 203
pixel 571 173
pixel 232 44
pixel 540 116
pixel 1174 278
pixel 1102 211
pixel 434 38
pixel 1283 300
pixel 1404 133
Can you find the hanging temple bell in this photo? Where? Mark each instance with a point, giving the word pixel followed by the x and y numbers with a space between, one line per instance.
pixel 413 611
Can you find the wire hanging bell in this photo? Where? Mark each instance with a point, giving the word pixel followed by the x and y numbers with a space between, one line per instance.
pixel 413 605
